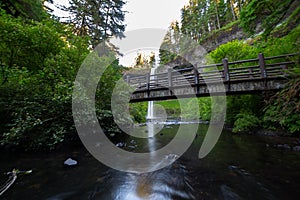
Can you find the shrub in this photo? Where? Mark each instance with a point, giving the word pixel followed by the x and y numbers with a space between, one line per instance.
pixel 245 122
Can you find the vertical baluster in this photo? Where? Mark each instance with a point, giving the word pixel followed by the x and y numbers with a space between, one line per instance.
pixel 148 84
pixel 170 81
pixel 284 68
pixel 196 74
pixel 250 70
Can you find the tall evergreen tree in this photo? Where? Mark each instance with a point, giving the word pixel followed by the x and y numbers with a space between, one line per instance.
pixel 99 19
pixel 169 48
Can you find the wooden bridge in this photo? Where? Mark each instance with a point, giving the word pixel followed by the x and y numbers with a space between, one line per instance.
pixel 230 78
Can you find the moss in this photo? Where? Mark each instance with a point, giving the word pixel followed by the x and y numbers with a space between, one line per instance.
pixel 229 28
pixel 290 23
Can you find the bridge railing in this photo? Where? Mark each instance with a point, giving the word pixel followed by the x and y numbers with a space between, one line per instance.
pixel 227 72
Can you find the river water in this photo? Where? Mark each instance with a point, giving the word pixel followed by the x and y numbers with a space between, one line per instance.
pixel 239 167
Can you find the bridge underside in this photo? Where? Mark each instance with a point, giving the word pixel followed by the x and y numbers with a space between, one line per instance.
pixel 209 89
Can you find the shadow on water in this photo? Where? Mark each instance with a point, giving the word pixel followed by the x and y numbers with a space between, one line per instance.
pixel 239 167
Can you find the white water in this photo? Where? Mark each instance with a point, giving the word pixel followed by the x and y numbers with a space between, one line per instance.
pixel 150 113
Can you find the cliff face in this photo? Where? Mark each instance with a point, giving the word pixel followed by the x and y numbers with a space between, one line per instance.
pixel 218 38
pixel 210 43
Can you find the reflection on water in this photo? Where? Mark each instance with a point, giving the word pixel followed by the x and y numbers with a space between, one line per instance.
pixel 239 167
pixel 168 183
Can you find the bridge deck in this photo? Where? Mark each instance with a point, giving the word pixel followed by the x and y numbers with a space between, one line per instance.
pixel 244 76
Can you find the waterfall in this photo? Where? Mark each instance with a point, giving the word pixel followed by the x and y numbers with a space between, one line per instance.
pixel 150 112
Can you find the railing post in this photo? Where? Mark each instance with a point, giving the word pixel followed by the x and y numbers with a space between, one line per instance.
pixel 226 69
pixel 196 74
pixel 262 65
pixel 170 81
pixel 226 72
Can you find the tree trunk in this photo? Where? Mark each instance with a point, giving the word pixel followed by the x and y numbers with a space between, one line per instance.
pixel 217 14
pixel 232 10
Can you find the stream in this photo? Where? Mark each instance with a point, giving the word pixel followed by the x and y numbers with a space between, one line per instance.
pixel 239 167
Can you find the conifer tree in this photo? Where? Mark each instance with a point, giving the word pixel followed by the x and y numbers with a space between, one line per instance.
pixel 99 19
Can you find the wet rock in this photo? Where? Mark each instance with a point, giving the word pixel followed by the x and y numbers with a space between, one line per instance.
pixel 264 132
pixel 133 142
pixel 296 148
pixel 62 196
pixel 267 145
pixel 120 144
pixel 70 162
pixel 229 194
pixel 112 135
pixel 283 146
pixel 232 167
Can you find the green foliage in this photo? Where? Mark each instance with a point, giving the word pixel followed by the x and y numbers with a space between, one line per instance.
pixel 106 121
pixel 279 46
pixel 39 61
pixel 107 82
pixel 245 122
pixel 98 19
pixel 202 112
pixel 287 25
pixel 242 104
pixel 268 13
pixel 168 50
pixel 138 111
pixel 27 9
pixel 283 109
pixel 29 45
pixel 280 111
pixel 235 50
pixel 189 109
pixel 200 18
pixel 205 108
pixel 172 107
pixel 36 123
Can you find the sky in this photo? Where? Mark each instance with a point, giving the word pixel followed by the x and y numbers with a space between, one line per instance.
pixel 152 13
pixel 144 14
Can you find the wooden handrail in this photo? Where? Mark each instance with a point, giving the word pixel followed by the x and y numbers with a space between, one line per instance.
pixel 195 75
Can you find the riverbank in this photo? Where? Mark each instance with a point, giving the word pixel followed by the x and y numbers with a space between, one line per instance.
pixel 280 139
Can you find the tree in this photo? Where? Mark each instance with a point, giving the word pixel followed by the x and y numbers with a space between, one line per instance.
pixel 169 48
pixel 152 59
pixel 27 9
pixel 199 17
pixel 99 19
pixel 39 62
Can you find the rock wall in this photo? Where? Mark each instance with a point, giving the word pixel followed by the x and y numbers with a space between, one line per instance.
pixel 222 37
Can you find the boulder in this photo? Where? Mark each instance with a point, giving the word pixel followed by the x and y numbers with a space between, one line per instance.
pixel 70 162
